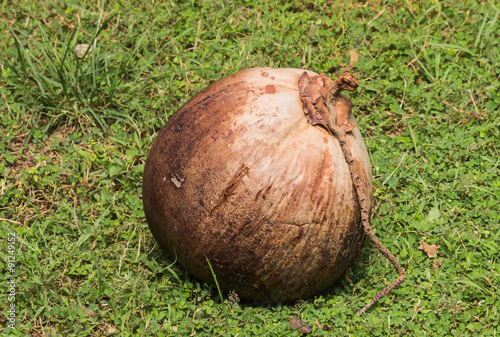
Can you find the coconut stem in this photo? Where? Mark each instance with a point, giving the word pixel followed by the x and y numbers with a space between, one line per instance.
pixel 348 82
pixel 345 81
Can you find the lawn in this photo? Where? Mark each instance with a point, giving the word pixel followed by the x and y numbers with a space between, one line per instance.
pixel 76 129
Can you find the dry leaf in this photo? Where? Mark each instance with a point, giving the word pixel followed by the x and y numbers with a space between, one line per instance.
pixel 436 264
pixel 317 324
pixel 354 56
pixel 430 250
pixel 296 323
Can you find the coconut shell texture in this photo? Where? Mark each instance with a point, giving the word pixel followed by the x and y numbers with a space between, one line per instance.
pixel 239 176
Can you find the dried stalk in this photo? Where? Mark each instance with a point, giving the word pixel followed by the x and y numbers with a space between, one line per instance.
pixel 347 82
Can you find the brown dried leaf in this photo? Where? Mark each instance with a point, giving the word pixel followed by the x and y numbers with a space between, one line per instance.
pixel 430 250
pixel 354 56
pixel 436 264
pixel 297 323
pixel 317 324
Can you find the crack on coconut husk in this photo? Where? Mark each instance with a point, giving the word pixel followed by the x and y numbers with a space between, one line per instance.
pixel 325 105
pixel 231 186
pixel 254 229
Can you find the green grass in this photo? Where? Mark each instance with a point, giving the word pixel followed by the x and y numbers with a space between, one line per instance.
pixel 76 132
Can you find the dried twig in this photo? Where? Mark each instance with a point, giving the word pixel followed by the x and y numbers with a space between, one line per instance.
pixel 365 219
pixel 322 110
pixel 470 114
pixel 400 162
pixel 11 221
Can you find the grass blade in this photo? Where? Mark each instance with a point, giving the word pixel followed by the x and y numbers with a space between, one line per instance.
pixel 224 308
pixel 480 33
